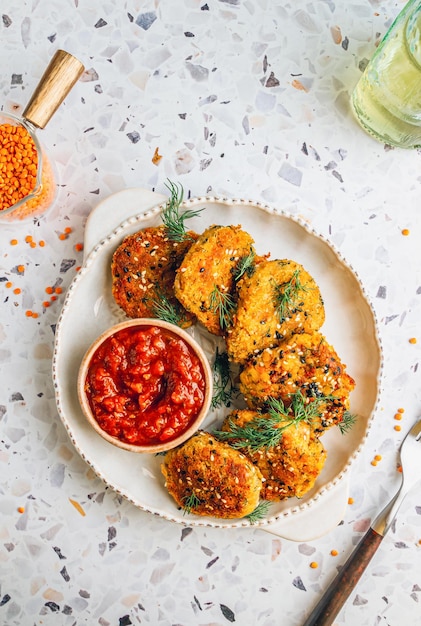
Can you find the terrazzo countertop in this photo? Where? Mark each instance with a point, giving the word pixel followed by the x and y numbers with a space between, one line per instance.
pixel 230 98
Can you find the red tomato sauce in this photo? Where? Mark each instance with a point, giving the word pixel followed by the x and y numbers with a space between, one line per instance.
pixel 145 385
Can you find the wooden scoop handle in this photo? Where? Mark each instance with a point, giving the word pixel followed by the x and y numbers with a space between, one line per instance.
pixel 58 79
pixel 337 593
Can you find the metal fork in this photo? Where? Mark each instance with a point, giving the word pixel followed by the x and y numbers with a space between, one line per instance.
pixel 337 593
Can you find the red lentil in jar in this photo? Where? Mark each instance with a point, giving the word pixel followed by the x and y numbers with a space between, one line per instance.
pixel 145 385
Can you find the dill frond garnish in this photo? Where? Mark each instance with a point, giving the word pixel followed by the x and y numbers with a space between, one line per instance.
pixel 266 431
pixel 347 423
pixel 168 311
pixel 245 266
pixel 286 295
pixel 259 512
pixel 172 218
pixel 222 383
pixel 190 502
pixel 223 304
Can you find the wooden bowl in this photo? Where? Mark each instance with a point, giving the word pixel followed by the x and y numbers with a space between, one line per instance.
pixel 153 398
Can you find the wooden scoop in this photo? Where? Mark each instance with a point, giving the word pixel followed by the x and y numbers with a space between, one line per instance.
pixel 58 79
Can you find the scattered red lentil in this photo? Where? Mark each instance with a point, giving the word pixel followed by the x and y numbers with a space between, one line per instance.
pixel 21 269
pixel 398 427
pixel 401 410
pixel 14 242
pixel 79 247
pixel 28 238
pixel 334 552
pixel 405 231
pixel 314 565
pixel 399 468
pixel 398 416
pixel 9 284
pixel 28 313
pixel 49 290
pixel 21 509
pixel 378 457
pixel 350 500
pixel 53 298
pixel 41 243
pixel 58 290
pixel 374 462
pixel 17 291
pixel 67 230
pixel 413 340
pixel 46 304
pixel 62 236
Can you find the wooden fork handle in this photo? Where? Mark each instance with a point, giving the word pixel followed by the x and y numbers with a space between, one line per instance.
pixel 341 587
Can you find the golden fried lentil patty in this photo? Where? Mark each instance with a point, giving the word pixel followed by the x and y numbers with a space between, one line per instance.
pixel 305 363
pixel 279 299
pixel 208 477
pixel 289 468
pixel 143 271
pixel 207 274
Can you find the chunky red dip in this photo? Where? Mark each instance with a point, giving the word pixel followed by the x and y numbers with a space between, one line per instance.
pixel 145 385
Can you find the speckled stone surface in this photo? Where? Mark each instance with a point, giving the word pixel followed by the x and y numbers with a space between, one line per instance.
pixel 241 98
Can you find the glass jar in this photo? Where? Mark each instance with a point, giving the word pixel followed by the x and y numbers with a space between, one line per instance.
pixel 387 98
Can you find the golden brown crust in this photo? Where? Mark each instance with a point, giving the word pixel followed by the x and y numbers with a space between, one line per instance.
pixel 305 363
pixel 259 322
pixel 143 271
pixel 211 264
pixel 289 468
pixel 224 482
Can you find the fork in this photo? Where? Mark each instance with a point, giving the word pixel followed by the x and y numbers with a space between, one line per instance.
pixel 337 593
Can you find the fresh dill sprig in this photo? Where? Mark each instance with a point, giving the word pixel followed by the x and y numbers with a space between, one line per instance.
pixel 259 512
pixel 190 502
pixel 260 432
pixel 223 304
pixel 245 266
pixel 266 431
pixel 347 423
pixel 286 295
pixel 222 383
pixel 172 218
pixel 168 311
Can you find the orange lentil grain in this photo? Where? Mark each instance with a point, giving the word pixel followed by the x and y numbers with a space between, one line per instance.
pixel 378 457
pixel 9 284
pixel 398 427
pixel 405 231
pixel 67 230
pixel 34 315
pixel 14 242
pixel 41 243
pixel 401 410
pixel 399 469
pixel 62 236
pixel 334 552
pixel 49 290
pixel 17 291
pixel 21 268
pixel 413 340
pixel 46 304
pixel 350 500
pixel 397 416
pixel 79 247
pixel 53 298
pixel 28 313
pixel 28 238
pixel 21 509
pixel 374 462
pixel 314 565
pixel 58 290
pixel 33 244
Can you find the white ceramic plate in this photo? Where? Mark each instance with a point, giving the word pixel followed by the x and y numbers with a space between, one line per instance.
pixel 350 327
